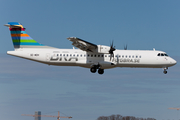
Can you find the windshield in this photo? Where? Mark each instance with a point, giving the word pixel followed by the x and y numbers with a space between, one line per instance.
pixel 162 54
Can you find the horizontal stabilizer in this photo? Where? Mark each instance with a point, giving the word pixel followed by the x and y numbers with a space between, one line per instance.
pixel 13 25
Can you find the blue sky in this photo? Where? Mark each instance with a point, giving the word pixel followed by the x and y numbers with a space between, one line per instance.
pixel 28 86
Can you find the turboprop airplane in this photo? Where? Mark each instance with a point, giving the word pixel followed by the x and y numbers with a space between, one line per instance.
pixel 89 55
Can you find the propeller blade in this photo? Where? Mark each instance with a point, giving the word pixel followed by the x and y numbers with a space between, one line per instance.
pixel 125 47
pixel 111 50
pixel 111 55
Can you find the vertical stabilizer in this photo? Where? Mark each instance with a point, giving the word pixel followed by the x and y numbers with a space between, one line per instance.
pixel 20 38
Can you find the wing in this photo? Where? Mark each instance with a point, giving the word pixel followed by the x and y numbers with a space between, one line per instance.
pixel 82 44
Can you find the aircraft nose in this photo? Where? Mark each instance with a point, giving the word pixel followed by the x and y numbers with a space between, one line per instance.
pixel 173 62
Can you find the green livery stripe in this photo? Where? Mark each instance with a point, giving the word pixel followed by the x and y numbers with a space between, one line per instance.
pixel 29 41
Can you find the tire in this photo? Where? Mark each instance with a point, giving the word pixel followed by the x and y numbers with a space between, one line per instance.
pixel 93 70
pixel 165 72
pixel 101 71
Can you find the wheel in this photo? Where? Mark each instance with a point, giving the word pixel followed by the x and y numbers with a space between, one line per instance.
pixel 93 69
pixel 101 71
pixel 165 72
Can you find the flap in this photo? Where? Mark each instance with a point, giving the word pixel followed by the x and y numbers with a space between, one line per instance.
pixel 82 44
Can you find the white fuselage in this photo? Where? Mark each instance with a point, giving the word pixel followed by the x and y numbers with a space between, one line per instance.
pixel 89 55
pixel 76 57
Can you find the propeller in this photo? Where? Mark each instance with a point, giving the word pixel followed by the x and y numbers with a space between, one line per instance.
pixel 111 50
pixel 125 47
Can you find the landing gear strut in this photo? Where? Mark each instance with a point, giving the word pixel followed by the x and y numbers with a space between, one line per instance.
pixel 94 69
pixel 165 70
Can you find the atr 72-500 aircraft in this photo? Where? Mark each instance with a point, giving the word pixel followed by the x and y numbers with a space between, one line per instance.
pixel 95 57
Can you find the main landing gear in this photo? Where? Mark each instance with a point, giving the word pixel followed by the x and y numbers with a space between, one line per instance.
pixel 94 69
pixel 165 70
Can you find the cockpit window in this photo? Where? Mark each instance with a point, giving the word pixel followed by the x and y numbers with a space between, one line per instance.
pixel 165 54
pixel 162 54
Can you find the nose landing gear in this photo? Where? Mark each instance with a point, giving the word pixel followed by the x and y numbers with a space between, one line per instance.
pixel 165 70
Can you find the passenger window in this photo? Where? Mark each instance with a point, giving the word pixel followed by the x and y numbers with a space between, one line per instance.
pixel 70 54
pixel 91 55
pixel 98 55
pixel 84 55
pixel 105 55
pixel 129 56
pixel 126 56
pixel 136 56
pixel 139 56
pixel 88 55
pixel 77 55
pixel 123 56
pixel 102 55
pixel 94 55
pixel 81 55
pixel 64 55
pixel 133 56
pixel 74 55
pixel 67 55
pixel 119 56
pixel 60 54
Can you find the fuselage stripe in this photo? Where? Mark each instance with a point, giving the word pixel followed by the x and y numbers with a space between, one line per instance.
pixel 19 35
pixel 20 38
pixel 18 32
pixel 17 29
pixel 23 41
pixel 27 43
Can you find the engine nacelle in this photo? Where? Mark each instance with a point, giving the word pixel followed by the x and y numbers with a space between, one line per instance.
pixel 103 49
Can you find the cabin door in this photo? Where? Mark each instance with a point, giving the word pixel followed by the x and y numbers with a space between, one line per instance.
pixel 47 56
